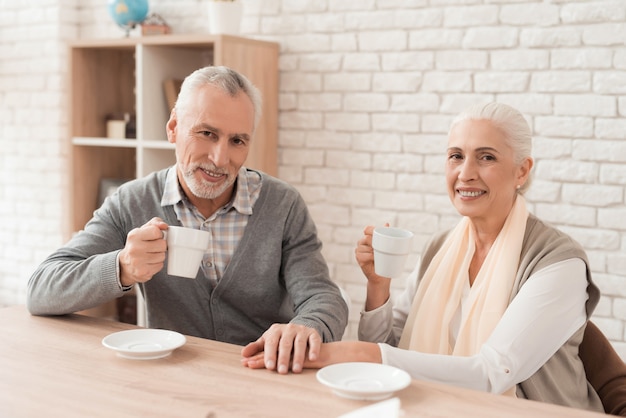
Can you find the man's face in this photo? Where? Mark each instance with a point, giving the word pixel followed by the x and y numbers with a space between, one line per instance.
pixel 212 133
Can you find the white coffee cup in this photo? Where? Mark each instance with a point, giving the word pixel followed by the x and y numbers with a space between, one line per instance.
pixel 391 248
pixel 185 250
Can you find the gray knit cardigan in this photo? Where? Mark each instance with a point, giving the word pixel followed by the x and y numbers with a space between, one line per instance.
pixel 276 275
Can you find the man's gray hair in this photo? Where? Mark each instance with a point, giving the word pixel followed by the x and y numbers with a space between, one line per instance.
pixel 227 79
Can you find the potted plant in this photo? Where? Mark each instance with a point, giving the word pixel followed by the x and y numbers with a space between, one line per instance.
pixel 225 16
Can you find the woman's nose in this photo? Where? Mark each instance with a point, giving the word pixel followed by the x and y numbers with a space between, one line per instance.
pixel 467 170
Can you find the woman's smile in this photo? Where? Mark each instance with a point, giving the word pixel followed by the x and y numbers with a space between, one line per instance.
pixel 470 193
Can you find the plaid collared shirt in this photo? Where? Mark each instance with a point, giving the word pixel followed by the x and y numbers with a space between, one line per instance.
pixel 226 225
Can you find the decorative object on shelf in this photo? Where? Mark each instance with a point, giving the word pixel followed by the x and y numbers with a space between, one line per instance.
pixel 107 187
pixel 121 125
pixel 225 16
pixel 116 126
pixel 154 24
pixel 171 88
pixel 128 13
pixel 131 125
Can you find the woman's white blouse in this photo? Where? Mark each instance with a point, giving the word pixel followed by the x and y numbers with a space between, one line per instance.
pixel 544 314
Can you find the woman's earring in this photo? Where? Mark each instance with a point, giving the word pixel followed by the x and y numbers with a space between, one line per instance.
pixel 519 186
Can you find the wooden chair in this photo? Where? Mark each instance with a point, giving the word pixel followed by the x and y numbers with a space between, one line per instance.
pixel 605 370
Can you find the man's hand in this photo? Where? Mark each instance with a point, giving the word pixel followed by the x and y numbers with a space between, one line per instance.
pixel 329 353
pixel 282 345
pixel 144 253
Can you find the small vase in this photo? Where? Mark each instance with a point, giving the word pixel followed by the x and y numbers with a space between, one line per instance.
pixel 225 17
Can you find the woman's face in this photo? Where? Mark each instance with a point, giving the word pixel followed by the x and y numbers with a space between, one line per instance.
pixel 481 173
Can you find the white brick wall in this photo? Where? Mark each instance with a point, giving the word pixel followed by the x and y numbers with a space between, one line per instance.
pixel 33 156
pixel 367 91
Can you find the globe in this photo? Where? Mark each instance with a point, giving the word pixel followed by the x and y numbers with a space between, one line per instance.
pixel 128 13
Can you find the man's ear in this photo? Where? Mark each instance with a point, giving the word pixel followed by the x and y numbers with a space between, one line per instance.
pixel 170 127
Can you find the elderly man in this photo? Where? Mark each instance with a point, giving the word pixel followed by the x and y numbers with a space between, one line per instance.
pixel 263 278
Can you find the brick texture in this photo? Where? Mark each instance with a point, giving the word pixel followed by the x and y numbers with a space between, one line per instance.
pixel 367 90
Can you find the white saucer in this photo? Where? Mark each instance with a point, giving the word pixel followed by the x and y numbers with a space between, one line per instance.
pixel 144 344
pixel 364 381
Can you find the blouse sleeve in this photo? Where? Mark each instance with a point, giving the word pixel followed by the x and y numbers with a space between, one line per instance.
pixel 546 312
pixel 385 323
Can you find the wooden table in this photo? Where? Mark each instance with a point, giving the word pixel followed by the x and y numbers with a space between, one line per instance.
pixel 57 366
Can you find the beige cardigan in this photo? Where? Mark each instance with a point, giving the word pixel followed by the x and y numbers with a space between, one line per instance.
pixel 562 379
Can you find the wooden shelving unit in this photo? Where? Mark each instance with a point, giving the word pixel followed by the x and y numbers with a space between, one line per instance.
pixel 126 75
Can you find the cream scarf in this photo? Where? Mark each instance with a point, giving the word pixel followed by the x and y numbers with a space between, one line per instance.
pixel 441 288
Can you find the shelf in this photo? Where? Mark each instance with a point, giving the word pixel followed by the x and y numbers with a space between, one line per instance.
pixel 156 144
pixel 104 142
pixel 178 40
pixel 121 143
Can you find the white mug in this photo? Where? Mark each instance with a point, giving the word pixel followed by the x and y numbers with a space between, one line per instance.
pixel 185 250
pixel 391 248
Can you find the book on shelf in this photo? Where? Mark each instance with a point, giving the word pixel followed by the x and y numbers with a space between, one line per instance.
pixel 171 87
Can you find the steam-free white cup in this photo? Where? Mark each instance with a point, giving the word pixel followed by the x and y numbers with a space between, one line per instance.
pixel 391 248
pixel 185 250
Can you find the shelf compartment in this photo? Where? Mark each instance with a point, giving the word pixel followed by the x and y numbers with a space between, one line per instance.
pixel 91 164
pixel 103 84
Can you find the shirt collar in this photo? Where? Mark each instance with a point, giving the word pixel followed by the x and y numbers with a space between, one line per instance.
pixel 173 192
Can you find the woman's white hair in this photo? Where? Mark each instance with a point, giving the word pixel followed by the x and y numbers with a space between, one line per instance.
pixel 511 122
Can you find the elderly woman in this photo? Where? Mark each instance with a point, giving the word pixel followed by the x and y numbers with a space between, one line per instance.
pixel 500 302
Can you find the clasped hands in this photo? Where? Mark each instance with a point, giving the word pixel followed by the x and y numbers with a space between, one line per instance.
pixel 281 347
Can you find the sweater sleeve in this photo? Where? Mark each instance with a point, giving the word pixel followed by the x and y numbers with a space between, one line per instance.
pixel 317 299
pixel 83 273
pixel 385 323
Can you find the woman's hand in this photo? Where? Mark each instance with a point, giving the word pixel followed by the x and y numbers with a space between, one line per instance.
pixel 364 253
pixel 377 286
